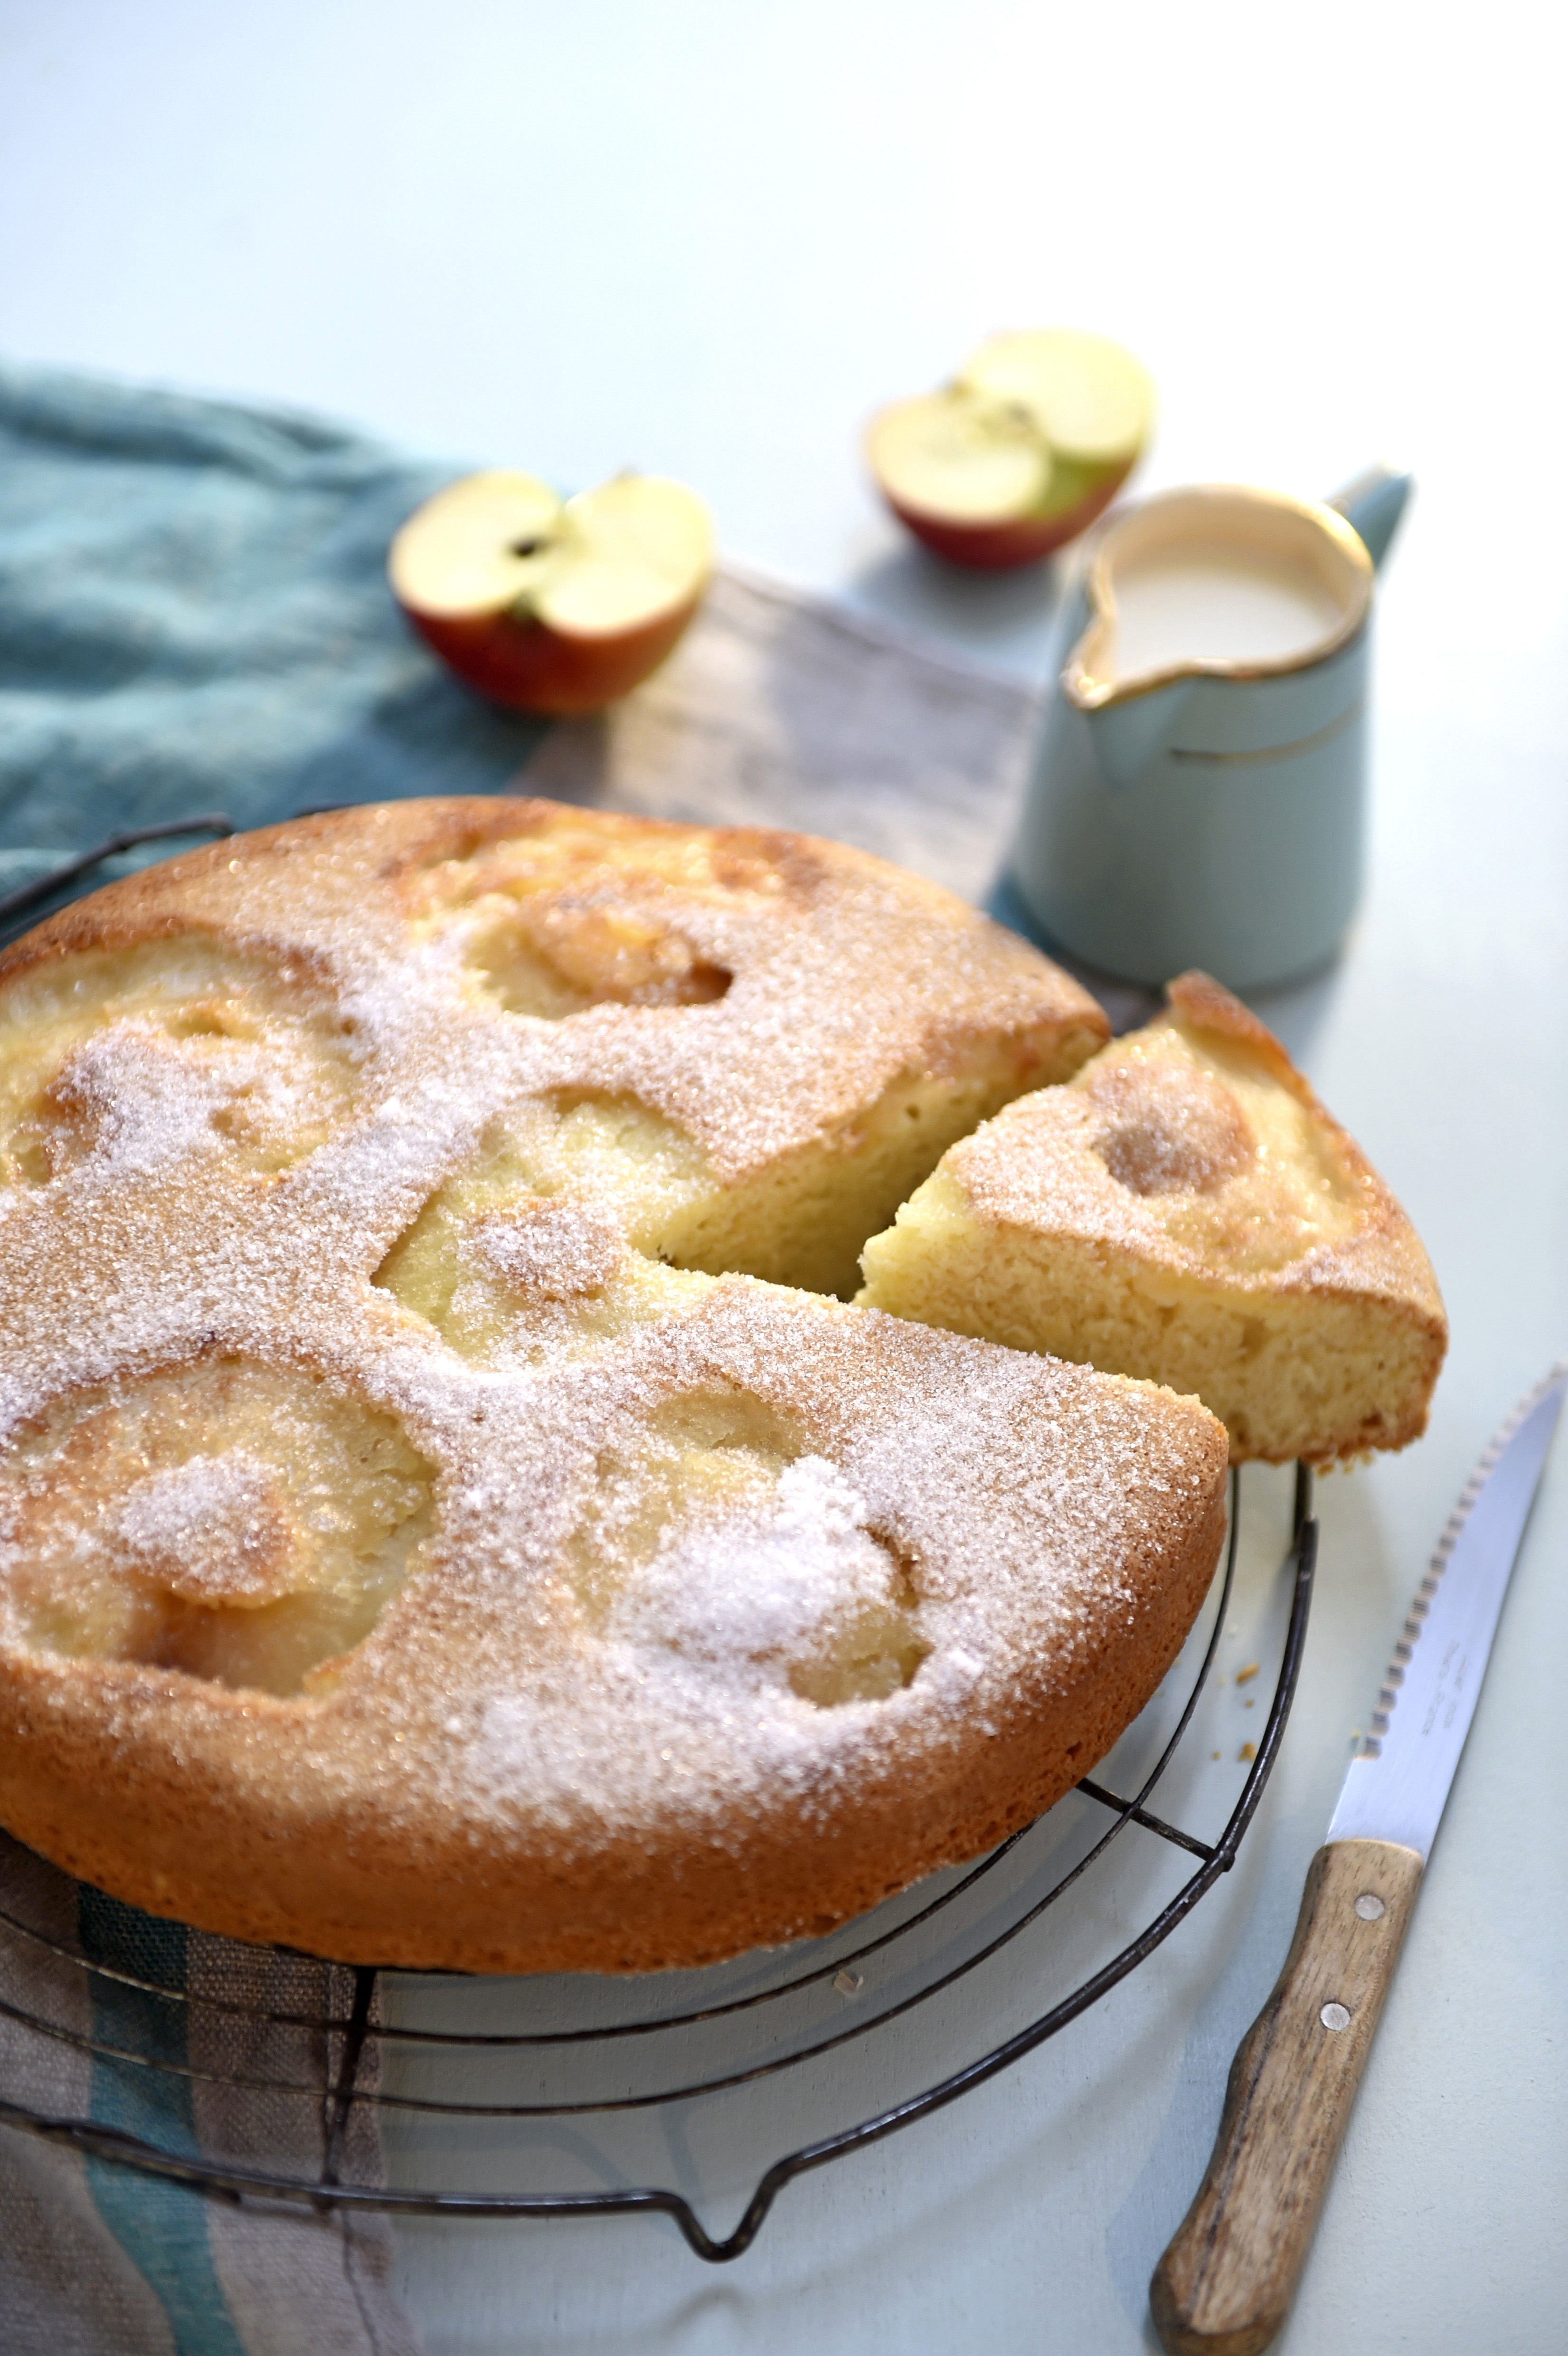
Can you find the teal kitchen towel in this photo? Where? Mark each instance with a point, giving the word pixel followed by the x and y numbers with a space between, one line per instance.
pixel 194 614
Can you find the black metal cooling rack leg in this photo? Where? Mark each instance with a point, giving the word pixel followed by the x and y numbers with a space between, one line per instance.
pixel 338 2103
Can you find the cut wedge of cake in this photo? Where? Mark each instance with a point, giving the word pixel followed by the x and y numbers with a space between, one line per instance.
pixel 1185 1210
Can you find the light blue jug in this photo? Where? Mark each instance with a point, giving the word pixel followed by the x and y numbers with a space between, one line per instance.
pixel 1210 809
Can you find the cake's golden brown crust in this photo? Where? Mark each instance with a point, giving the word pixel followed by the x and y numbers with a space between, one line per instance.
pixel 1186 1210
pixel 1200 1002
pixel 396 1557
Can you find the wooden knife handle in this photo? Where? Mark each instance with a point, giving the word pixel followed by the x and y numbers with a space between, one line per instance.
pixel 1225 2284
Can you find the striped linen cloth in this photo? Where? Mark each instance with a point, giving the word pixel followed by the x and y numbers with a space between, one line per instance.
pixel 194 616
pixel 97 2259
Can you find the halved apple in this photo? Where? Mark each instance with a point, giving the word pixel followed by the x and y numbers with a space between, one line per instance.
pixel 553 606
pixel 1021 452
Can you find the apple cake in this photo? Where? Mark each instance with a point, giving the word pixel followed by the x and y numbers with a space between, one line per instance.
pixel 1185 1210
pixel 446 1518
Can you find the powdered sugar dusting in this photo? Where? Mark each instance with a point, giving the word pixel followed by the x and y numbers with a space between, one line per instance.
pixel 557 1249
pixel 213 1529
pixel 1184 1153
pixel 746 1595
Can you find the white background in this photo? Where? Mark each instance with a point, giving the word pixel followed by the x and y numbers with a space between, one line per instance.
pixel 708 239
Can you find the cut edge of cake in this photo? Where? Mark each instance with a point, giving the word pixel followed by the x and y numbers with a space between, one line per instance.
pixel 1185 1210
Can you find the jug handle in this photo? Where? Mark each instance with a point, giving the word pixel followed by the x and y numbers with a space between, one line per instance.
pixel 1372 506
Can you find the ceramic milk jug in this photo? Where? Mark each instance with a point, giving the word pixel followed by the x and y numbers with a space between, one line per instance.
pixel 1198 796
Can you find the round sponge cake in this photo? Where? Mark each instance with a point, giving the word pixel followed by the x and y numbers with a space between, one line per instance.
pixel 445 1517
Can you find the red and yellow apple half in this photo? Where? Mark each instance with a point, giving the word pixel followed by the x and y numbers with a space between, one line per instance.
pixel 1021 452
pixel 548 604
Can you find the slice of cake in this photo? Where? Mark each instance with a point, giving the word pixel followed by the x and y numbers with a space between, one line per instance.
pixel 1186 1210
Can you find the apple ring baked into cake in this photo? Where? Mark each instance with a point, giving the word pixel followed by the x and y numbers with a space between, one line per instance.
pixel 446 1518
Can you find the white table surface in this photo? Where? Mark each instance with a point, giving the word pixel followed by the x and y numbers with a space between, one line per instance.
pixel 707 239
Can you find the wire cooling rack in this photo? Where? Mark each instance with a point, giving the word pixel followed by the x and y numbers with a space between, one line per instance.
pixel 436 2070
pixel 19 908
pixel 464 2077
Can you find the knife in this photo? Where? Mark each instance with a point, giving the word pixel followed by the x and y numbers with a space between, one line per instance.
pixel 1224 2285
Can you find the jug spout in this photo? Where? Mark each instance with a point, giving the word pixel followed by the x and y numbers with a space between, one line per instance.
pixel 1128 734
pixel 1372 506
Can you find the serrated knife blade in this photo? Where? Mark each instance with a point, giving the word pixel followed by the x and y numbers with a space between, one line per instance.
pixel 1395 1787
pixel 1225 2284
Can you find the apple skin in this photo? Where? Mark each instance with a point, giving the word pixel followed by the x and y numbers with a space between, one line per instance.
pixel 523 663
pixel 1023 540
